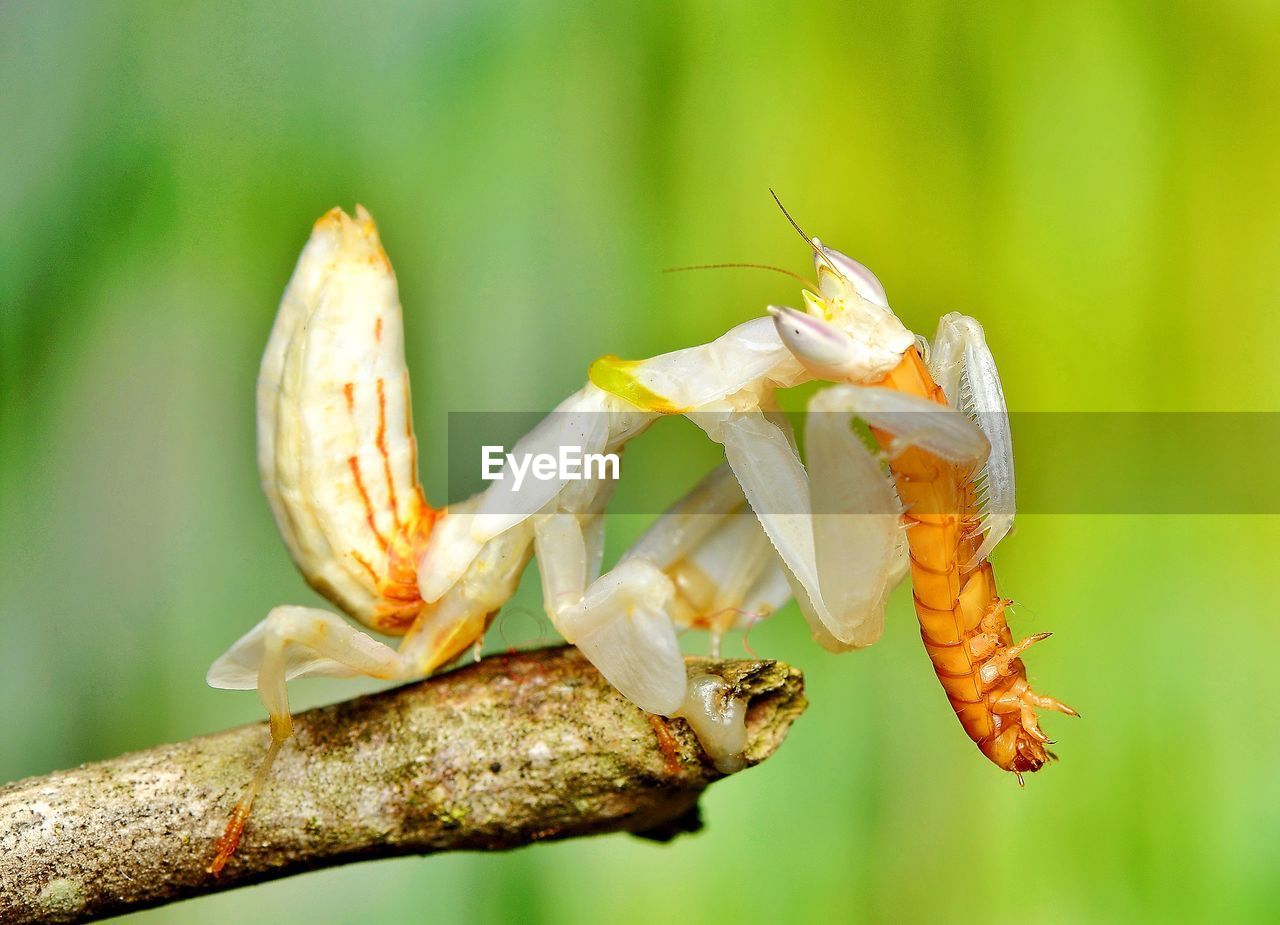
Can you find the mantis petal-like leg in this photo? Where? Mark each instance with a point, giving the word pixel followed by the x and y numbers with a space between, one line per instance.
pixel 619 621
pixel 731 580
pixel 961 362
pixel 706 557
pixel 836 527
pixel 859 541
pixel 622 626
pixel 713 548
pixel 761 451
pixel 292 642
pixel 910 421
pixel 239 668
pixel 295 642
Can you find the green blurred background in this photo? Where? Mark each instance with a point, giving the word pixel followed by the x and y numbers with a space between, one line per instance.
pixel 1096 182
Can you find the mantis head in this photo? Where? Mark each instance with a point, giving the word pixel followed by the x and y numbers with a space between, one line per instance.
pixel 847 333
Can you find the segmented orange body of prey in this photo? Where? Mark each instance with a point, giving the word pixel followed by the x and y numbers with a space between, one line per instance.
pixel 962 617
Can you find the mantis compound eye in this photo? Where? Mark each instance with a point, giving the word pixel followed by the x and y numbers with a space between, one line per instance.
pixel 862 280
pixel 824 349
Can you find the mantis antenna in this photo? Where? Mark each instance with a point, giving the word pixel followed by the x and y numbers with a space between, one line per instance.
pixel 800 231
pixel 741 266
pixel 764 266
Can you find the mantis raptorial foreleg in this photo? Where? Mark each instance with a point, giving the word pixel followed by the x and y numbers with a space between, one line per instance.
pixel 835 525
pixel 961 362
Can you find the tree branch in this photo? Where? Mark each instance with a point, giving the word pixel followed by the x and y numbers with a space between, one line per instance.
pixel 516 749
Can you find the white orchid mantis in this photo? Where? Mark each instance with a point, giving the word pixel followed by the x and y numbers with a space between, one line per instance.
pixel 337 458
pixel 338 462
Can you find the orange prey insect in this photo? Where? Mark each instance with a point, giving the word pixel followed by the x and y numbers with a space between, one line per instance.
pixel 941 422
pixel 961 614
